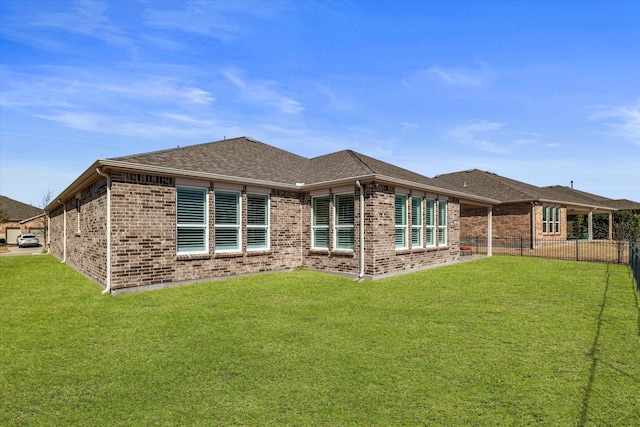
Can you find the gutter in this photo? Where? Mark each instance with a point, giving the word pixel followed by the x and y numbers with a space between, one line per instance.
pixel 361 260
pixel 107 289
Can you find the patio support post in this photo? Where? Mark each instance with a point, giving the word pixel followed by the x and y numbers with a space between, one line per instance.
pixel 590 225
pixel 490 231
pixel 610 225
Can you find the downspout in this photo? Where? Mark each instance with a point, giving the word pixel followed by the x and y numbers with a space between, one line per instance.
pixel 533 225
pixel 361 274
pixel 64 231
pixel 48 237
pixel 490 231
pixel 107 290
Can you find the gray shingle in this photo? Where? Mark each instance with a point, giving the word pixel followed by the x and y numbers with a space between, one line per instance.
pixel 18 211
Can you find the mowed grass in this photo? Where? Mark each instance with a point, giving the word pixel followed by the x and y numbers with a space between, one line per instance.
pixel 499 341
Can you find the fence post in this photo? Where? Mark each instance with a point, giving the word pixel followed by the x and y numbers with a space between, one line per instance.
pixel 521 246
pixel 577 253
pixel 477 244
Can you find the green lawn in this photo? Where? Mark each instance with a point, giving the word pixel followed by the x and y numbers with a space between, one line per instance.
pixel 499 341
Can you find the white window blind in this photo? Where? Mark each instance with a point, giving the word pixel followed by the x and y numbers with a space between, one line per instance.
pixel 191 220
pixel 320 225
pixel 257 221
pixel 344 214
pixel 431 222
pixel 416 222
pixel 401 221
pixel 227 221
pixel 442 222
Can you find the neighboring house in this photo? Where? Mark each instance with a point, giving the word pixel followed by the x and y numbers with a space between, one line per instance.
pixel 23 218
pixel 538 214
pixel 240 206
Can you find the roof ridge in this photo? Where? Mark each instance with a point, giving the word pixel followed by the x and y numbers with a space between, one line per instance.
pixel 184 147
pixel 509 182
pixel 357 157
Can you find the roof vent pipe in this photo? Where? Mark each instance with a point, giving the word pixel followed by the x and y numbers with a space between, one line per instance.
pixel 572 184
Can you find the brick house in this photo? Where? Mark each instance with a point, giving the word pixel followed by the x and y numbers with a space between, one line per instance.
pixel 240 206
pixel 538 214
pixel 21 218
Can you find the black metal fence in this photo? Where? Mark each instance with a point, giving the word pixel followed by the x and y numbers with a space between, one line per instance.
pixel 634 262
pixel 566 249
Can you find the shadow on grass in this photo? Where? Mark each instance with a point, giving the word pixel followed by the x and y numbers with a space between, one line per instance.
pixel 593 356
pixel 593 353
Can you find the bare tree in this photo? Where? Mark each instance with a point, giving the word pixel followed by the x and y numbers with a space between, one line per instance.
pixel 45 198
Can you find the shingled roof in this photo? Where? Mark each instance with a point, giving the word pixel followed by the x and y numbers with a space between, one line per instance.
pixel 238 157
pixel 247 158
pixel 488 184
pixel 252 162
pixel 506 190
pixel 18 211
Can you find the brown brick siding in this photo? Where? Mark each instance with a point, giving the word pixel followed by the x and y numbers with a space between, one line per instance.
pixel 510 221
pixel 86 245
pixel 144 243
pixel 381 255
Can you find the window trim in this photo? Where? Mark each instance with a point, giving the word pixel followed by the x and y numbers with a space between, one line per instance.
pixel 430 207
pixel 315 227
pixel 417 225
pixel 336 226
pixel 266 227
pixel 551 219
pixel 79 213
pixel 404 225
pixel 204 226
pixel 237 225
pixel 442 225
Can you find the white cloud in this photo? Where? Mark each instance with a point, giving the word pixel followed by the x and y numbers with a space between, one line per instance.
pixel 91 88
pixel 474 134
pixel 154 126
pixel 263 92
pixel 624 121
pixel 451 76
pixel 222 20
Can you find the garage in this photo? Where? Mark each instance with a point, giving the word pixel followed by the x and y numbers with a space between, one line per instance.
pixel 12 235
pixel 39 232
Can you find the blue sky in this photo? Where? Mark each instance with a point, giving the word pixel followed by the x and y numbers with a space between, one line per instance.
pixel 540 91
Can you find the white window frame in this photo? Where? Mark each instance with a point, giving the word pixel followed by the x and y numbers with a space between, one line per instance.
pixel 430 211
pixel 550 219
pixel 347 226
pixel 315 228
pixel 228 225
pixel 403 227
pixel 442 224
pixel 266 227
pixel 79 212
pixel 416 222
pixel 193 225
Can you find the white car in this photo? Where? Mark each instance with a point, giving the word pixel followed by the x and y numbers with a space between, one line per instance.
pixel 25 240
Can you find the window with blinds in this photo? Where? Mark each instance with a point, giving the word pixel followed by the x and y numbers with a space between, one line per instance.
pixel 401 221
pixel 191 220
pixel 431 222
pixel 320 222
pixel 257 221
pixel 416 222
pixel 344 214
pixel 442 222
pixel 227 221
